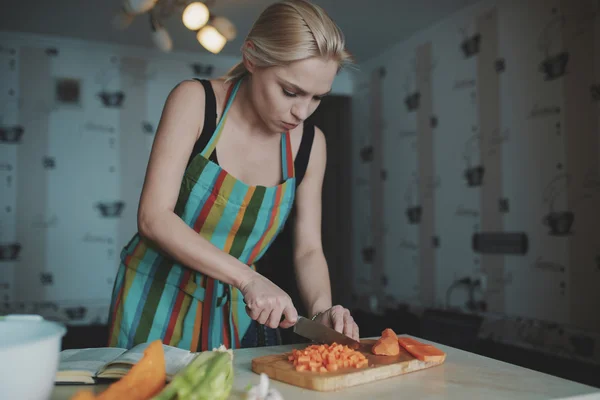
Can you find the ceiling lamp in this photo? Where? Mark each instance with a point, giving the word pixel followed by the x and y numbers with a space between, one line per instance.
pixel 225 27
pixel 211 39
pixel 212 32
pixel 195 16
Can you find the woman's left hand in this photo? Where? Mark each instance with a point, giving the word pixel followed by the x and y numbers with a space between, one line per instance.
pixel 339 318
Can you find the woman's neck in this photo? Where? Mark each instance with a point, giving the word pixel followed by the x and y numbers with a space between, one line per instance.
pixel 244 110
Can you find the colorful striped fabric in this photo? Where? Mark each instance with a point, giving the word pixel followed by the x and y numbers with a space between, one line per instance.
pixel 155 297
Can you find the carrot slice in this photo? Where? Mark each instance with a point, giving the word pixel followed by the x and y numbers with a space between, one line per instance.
pixel 408 341
pixel 144 380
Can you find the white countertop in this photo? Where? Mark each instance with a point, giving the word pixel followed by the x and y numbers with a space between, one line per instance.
pixel 463 376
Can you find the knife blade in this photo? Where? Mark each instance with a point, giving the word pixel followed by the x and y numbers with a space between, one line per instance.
pixel 320 333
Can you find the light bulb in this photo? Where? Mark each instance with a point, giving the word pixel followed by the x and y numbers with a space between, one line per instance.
pixel 225 27
pixel 195 16
pixel 211 39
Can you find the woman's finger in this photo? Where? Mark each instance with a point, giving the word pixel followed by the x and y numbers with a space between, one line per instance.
pixel 355 334
pixel 337 317
pixel 274 318
pixel 252 312
pixel 348 322
pixel 263 317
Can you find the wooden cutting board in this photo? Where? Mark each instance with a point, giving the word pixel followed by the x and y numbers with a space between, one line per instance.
pixel 380 367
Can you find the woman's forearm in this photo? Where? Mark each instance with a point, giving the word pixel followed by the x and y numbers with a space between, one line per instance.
pixel 183 244
pixel 312 275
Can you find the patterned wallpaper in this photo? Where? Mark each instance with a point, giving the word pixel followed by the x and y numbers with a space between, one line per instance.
pixel 483 134
pixel 77 121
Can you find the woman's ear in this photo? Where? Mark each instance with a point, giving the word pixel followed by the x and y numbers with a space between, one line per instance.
pixel 248 45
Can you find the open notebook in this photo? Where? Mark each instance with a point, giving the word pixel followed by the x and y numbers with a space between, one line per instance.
pixel 86 366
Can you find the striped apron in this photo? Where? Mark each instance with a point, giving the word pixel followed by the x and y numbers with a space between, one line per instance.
pixel 155 297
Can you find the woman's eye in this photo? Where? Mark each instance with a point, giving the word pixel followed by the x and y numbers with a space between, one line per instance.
pixel 288 93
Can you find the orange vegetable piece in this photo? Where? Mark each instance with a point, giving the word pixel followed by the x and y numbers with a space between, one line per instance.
pixel 387 344
pixel 144 380
pixel 408 341
pixel 84 395
pixel 389 333
pixel 326 358
pixel 422 351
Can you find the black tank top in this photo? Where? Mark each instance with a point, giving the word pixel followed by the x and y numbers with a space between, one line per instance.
pixel 210 125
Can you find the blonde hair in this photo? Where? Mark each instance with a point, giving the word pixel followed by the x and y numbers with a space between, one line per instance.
pixel 288 31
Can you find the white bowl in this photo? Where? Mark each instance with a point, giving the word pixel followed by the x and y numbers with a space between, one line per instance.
pixel 29 353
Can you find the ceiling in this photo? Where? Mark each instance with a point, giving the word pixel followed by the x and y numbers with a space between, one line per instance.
pixel 370 26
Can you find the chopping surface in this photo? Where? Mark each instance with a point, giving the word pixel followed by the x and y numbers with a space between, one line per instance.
pixel 464 375
pixel 380 367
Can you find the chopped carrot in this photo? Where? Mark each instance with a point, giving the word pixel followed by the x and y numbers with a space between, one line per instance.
pixel 326 358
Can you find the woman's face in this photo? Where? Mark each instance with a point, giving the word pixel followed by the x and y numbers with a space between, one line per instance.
pixel 284 96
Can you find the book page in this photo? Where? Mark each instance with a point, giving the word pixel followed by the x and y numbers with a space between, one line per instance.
pixel 86 361
pixel 175 359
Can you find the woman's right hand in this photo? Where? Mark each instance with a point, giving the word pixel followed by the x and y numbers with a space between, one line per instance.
pixel 266 303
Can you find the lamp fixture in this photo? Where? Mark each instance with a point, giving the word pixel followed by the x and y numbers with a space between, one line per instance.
pixel 212 31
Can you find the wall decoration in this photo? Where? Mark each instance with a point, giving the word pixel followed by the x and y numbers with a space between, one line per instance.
pixel 368 254
pixel 5 166
pixel 503 205
pixel 7 50
pixel 91 238
pixel 500 65
pixel 49 162
pixel 112 99
pixel 473 173
pixel 548 266
pixel 558 222
pixel 464 84
pixel 433 121
pixel 9 251
pixel 52 51
pixel 366 154
pixel 462 211
pixel 40 222
pixel 11 134
pixel 68 91
pixel 496 139
pixel 413 211
pixel 544 111
pixel 147 127
pixel 110 209
pixel 435 241
pixel 202 69
pixel 95 127
pixel 76 313
pixel 555 59
pixel 470 45
pixel 46 278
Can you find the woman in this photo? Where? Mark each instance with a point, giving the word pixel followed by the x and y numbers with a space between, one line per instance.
pixel 188 276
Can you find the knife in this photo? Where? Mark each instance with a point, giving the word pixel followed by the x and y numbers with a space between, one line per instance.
pixel 320 333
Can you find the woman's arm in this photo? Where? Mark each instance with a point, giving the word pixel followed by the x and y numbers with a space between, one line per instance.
pixel 181 120
pixel 310 265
